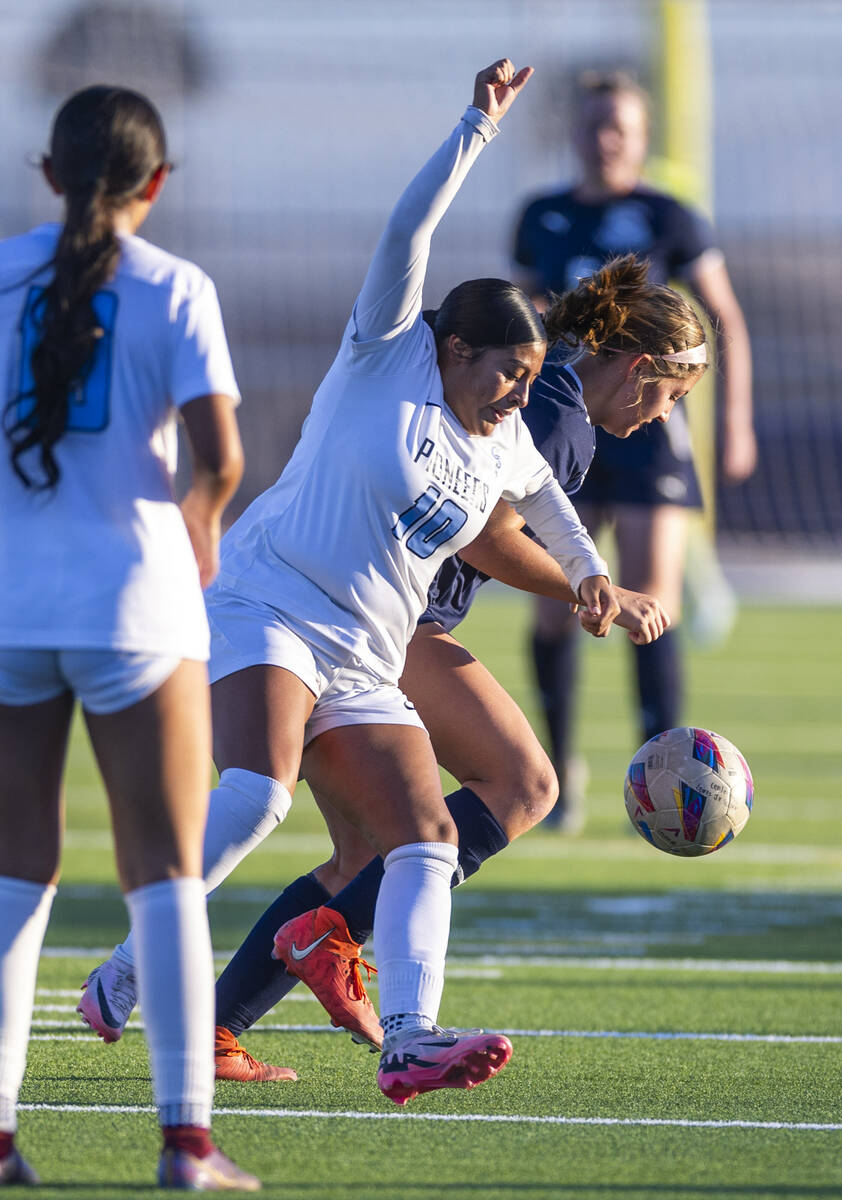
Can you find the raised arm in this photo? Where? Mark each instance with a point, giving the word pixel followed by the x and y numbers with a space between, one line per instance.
pixel 390 299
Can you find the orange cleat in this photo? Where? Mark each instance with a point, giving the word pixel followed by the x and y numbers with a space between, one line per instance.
pixel 319 950
pixel 233 1061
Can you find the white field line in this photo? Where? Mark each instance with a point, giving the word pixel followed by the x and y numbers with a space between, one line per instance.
pixel 479 1118
pixel 559 962
pixel 818 1039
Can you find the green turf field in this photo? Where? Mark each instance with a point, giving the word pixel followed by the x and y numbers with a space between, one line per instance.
pixel 677 1023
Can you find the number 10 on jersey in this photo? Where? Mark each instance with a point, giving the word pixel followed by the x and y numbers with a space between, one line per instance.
pixel 427 523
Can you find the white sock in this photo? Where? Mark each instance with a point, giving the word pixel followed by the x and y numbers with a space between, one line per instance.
pixel 411 928
pixel 244 808
pixel 176 981
pixel 24 912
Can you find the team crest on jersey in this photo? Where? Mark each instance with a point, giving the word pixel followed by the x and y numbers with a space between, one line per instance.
pixel 624 227
pixel 498 458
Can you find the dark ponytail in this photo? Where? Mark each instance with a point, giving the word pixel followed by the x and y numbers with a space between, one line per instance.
pixel 105 147
pixel 487 312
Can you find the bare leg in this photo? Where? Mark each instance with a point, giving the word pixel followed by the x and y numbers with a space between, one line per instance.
pixel 33 746
pixel 33 743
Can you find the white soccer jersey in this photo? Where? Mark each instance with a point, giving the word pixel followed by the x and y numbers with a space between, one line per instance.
pixel 103 560
pixel 385 482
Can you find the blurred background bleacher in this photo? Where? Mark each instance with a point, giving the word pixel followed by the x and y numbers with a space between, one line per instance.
pixel 295 126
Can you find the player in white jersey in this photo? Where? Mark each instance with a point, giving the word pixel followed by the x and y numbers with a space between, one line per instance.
pixel 619 361
pixel 103 337
pixel 413 437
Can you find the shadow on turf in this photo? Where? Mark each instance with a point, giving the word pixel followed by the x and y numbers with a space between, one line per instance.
pixel 601 1189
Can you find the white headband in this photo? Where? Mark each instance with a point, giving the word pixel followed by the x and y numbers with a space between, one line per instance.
pixel 696 354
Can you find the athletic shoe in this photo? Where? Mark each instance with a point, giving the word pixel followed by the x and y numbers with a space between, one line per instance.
pixel 424 1060
pixel 16 1170
pixel 233 1061
pixel 319 950
pixel 110 994
pixel 179 1169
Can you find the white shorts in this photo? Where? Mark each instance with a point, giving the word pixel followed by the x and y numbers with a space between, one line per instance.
pixel 246 633
pixel 104 681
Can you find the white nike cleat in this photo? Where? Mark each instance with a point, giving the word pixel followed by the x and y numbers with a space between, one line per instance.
pixel 110 994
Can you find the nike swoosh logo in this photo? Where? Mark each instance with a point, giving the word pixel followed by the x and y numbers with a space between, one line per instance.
pixel 103 1006
pixel 299 954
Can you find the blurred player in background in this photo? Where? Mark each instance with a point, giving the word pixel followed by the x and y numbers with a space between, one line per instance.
pixel 643 485
pixel 102 338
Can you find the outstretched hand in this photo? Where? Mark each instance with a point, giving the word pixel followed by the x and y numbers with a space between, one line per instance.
pixel 497 87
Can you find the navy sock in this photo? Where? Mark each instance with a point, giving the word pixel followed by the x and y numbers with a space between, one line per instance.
pixel 480 836
pixel 555 663
pixel 254 982
pixel 659 684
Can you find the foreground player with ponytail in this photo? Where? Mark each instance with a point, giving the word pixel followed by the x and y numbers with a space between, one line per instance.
pixel 623 350
pixel 102 337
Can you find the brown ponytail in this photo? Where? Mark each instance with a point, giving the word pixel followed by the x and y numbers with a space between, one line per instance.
pixel 619 308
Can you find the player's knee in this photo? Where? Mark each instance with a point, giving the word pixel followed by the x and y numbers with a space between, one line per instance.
pixel 540 793
pixel 528 793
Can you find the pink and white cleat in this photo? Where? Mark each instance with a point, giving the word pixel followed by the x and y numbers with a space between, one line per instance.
pixel 424 1060
pixel 110 994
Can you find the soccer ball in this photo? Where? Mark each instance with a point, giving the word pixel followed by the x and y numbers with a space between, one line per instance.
pixel 688 791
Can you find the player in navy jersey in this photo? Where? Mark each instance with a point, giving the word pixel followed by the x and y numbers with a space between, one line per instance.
pixel 625 351
pixel 645 485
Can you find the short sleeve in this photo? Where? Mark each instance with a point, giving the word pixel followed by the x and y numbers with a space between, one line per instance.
pixel 201 361
pixel 690 235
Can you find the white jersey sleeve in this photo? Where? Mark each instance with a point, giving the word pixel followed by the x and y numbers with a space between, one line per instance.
pixel 535 493
pixel 385 330
pixel 201 362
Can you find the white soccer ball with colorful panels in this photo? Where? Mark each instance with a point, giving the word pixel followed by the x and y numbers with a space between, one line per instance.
pixel 688 791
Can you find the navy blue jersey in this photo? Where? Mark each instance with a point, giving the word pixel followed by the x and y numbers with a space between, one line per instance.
pixel 561 429
pixel 562 239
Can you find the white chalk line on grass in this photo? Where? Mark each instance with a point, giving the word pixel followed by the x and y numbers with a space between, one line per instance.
pixel 660 1035
pixel 477 1118
pixel 559 962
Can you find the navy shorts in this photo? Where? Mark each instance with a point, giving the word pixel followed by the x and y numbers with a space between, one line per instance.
pixel 652 466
